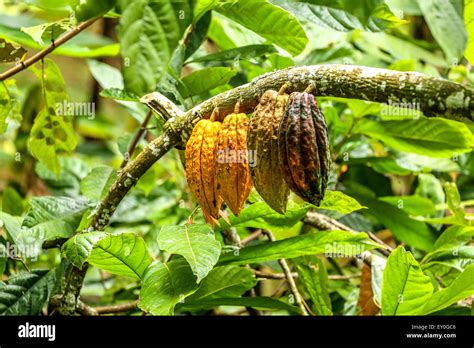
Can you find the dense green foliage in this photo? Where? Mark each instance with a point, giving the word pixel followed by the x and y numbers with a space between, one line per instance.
pixel 68 121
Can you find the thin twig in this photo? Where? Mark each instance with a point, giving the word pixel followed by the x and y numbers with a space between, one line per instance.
pixel 289 277
pixel 20 260
pixel 260 274
pixel 125 307
pixel 136 139
pixel 43 53
pixel 324 222
pixel 251 237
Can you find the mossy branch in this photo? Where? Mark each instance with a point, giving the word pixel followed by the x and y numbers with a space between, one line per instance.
pixel 432 96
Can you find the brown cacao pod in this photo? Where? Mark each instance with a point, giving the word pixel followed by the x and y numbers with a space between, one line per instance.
pixel 200 168
pixel 234 181
pixel 304 147
pixel 267 174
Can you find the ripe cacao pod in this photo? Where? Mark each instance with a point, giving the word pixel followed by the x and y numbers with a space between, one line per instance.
pixel 304 147
pixel 234 181
pixel 267 173
pixel 200 168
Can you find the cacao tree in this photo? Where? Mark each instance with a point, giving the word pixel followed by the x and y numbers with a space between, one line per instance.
pixel 236 157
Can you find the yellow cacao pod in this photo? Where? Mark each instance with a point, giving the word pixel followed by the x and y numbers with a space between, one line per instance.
pixel 267 173
pixel 200 168
pixel 234 181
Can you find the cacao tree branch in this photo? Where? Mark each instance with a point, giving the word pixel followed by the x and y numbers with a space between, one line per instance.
pixel 44 52
pixel 433 96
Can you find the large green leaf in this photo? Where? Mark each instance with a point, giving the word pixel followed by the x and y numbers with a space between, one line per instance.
pixel 52 132
pixel 313 276
pixel 245 52
pixel 202 81
pixel 97 183
pixel 413 205
pixel 469 23
pixel 446 25
pixel 78 248
pixel 405 289
pixel 26 293
pixel 261 302
pixel 165 285
pixel 461 288
pixel 342 20
pixel 433 137
pixel 224 281
pixel 269 21
pixel 196 243
pixel 149 32
pixel 327 242
pixel 404 228
pixel 124 254
pixel 453 237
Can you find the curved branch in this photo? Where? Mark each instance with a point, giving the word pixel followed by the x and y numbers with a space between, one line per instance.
pixel 44 52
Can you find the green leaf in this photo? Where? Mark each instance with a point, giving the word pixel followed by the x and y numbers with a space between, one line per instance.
pixel 340 202
pixel 405 289
pixel 48 31
pixel 269 21
pixel 260 215
pixel 341 20
pixel 461 288
pixel 457 257
pixel 377 268
pixel 203 6
pixel 12 202
pixel 119 94
pixel 52 132
pixel 446 25
pixel 78 248
pixel 313 276
pixel 469 23
pixel 149 32
pixel 224 281
pixel 433 137
pixel 92 8
pixel 260 302
pixel 5 107
pixel 327 242
pixel 244 52
pixel 165 285
pixel 454 236
pixel 84 45
pixel 414 233
pixel 26 293
pixel 63 213
pixel 413 205
pixel 196 243
pixel 97 183
pixel 123 254
pixel 453 199
pixel 202 81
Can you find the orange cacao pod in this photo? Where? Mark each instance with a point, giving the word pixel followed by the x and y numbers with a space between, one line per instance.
pixel 234 181
pixel 200 168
